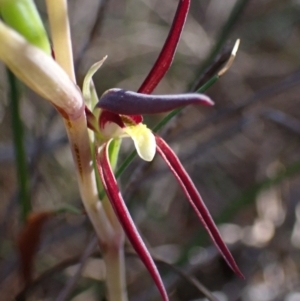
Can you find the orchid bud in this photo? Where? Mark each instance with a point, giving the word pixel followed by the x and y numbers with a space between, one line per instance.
pixel 22 16
pixel 40 72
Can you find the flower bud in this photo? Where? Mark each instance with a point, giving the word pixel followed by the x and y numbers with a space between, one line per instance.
pixel 40 72
pixel 23 17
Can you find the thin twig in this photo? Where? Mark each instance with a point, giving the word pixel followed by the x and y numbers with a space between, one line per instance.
pixel 67 290
pixel 94 31
pixel 287 121
pixel 45 276
pixel 262 95
pixel 6 151
pixel 87 253
pixel 188 278
pixel 58 268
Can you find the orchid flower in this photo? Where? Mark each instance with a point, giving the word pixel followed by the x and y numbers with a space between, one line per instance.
pixel 146 144
pixel 121 116
pixel 117 114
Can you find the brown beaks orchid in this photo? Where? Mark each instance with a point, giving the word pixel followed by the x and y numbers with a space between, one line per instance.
pixel 121 115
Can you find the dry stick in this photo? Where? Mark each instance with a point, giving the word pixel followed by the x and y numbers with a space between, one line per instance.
pixel 46 275
pixel 220 137
pixel 60 235
pixel 188 278
pixel 87 253
pixel 94 31
pixel 40 141
pixel 172 284
pixel 287 121
pixel 263 94
pixel 191 280
pixel 38 152
pixel 67 290
pixel 6 153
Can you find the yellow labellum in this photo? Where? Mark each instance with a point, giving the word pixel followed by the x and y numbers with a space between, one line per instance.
pixel 143 139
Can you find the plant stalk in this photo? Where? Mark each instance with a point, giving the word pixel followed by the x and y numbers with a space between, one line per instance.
pixel 20 153
pixel 114 259
pixel 82 155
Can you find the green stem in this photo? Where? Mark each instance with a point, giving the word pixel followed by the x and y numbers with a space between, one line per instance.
pixel 20 153
pixel 125 163
pixel 113 151
pixel 114 259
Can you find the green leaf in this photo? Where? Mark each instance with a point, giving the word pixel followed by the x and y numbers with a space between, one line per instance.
pixel 22 15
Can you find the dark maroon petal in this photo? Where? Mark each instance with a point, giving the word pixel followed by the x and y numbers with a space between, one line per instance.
pixel 115 197
pixel 108 116
pixel 166 55
pixel 131 103
pixel 196 201
pixel 52 53
pixel 135 118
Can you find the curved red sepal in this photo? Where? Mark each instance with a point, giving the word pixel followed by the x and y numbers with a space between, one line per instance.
pixel 166 55
pixel 196 201
pixel 111 188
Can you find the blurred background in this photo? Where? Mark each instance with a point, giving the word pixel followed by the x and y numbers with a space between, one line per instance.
pixel 243 155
